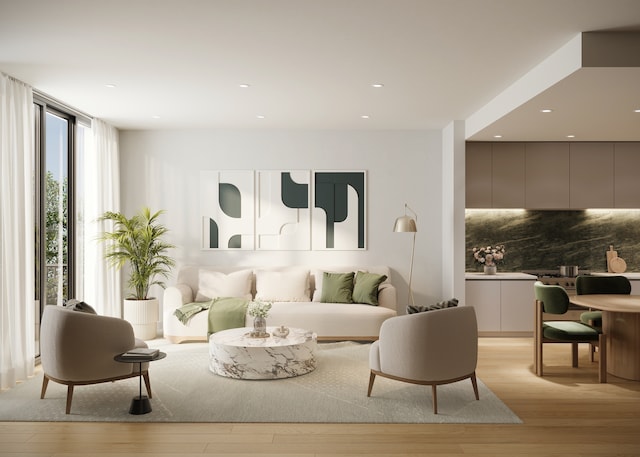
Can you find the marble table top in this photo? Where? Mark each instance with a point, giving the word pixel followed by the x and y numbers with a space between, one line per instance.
pixel 235 354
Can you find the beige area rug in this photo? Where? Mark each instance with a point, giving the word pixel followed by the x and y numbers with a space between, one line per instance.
pixel 184 390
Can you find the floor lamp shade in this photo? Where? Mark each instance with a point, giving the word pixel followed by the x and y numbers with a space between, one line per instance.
pixel 408 224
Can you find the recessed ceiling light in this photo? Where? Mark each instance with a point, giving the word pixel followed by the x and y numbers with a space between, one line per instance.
pixel 636 110
pixel 546 110
pixel 244 86
pixel 377 85
pixel 155 116
pixel 571 136
pixel 497 136
pixel 260 116
pixel 110 86
pixel 365 116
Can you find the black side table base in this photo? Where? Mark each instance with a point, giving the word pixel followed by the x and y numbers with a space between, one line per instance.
pixel 140 405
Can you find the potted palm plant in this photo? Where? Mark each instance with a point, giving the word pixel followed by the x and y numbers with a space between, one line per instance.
pixel 138 242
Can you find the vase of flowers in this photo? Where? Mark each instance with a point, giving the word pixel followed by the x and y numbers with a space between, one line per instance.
pixel 488 257
pixel 259 310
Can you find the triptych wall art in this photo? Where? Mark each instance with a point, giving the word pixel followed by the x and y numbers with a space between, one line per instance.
pixel 283 210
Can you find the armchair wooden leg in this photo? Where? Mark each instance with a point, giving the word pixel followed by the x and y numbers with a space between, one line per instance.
pixel 474 382
pixel 372 377
pixel 574 354
pixel 69 398
pixel 435 398
pixel 147 383
pixel 45 383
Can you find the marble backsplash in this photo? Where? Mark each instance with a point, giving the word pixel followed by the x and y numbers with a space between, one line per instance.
pixel 537 240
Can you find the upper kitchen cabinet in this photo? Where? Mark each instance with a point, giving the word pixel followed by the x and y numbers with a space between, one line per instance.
pixel 547 168
pixel 478 175
pixel 508 175
pixel 591 177
pixel 627 172
pixel 495 175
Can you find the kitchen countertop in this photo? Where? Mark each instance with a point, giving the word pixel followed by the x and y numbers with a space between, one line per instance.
pixel 501 276
pixel 627 274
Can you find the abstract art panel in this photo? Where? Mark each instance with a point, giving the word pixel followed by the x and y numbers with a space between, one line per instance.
pixel 283 214
pixel 227 209
pixel 339 210
pixel 283 210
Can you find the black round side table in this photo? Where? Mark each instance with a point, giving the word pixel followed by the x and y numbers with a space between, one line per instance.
pixel 140 403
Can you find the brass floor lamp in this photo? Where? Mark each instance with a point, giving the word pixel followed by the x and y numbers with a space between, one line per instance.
pixel 408 224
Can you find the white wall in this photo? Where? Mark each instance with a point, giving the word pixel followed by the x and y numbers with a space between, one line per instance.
pixel 161 169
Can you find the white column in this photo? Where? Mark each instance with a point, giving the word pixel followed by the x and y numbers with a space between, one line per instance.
pixel 453 203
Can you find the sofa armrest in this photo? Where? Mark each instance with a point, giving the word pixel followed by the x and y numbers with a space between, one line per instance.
pixel 387 296
pixel 176 296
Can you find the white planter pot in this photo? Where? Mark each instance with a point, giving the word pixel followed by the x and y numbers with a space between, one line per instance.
pixel 143 316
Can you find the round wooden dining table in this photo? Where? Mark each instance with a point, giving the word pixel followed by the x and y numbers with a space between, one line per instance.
pixel 621 325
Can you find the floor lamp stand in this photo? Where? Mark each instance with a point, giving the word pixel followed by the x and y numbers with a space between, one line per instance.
pixel 413 250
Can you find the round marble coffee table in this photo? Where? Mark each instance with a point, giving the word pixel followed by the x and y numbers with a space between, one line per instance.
pixel 234 354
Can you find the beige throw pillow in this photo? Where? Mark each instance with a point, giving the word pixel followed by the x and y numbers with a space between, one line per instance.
pixel 292 286
pixel 214 284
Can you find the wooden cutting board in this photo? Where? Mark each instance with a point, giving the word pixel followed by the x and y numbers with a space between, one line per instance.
pixel 617 265
pixel 611 254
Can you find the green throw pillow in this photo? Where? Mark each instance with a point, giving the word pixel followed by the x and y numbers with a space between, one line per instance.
pixel 337 287
pixel 365 289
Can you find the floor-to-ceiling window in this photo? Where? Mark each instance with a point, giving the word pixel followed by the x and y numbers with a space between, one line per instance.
pixel 60 140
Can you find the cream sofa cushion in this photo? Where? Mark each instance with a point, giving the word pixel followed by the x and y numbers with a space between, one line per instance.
pixel 291 286
pixel 214 284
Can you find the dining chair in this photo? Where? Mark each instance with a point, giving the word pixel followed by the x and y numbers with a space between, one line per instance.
pixel 587 285
pixel 554 300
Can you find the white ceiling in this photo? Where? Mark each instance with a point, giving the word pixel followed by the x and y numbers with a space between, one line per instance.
pixel 311 64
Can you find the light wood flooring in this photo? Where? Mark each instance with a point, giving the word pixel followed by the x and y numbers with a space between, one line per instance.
pixel 566 413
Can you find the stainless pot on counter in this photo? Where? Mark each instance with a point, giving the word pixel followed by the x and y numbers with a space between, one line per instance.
pixel 569 270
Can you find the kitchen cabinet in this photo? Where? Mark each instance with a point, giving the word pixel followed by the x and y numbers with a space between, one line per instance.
pixel 484 296
pixel 508 175
pixel 478 164
pixel 553 175
pixel 626 172
pixel 503 306
pixel 547 176
pixel 495 175
pixel 591 175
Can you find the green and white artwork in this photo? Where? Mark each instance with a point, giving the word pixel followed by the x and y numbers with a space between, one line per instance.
pixel 283 210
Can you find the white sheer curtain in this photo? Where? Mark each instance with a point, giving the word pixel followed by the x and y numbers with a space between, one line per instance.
pixel 102 285
pixel 17 248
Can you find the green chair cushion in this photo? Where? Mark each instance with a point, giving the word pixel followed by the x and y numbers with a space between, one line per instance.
pixel 569 331
pixel 593 318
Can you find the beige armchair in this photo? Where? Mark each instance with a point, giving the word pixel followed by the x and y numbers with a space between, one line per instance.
pixel 77 348
pixel 429 348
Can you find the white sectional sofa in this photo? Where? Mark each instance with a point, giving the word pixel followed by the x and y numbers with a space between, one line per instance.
pixel 295 294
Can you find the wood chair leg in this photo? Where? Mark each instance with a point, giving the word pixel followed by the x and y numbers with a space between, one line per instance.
pixel 435 398
pixel 147 383
pixel 574 355
pixel 602 358
pixel 474 382
pixel 45 383
pixel 69 398
pixel 538 355
pixel 372 377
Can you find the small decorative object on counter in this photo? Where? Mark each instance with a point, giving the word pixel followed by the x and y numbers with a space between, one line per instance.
pixel 490 269
pixel 259 311
pixel 488 257
pixel 281 332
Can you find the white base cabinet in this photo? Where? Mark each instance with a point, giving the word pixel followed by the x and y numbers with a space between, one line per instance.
pixel 502 306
